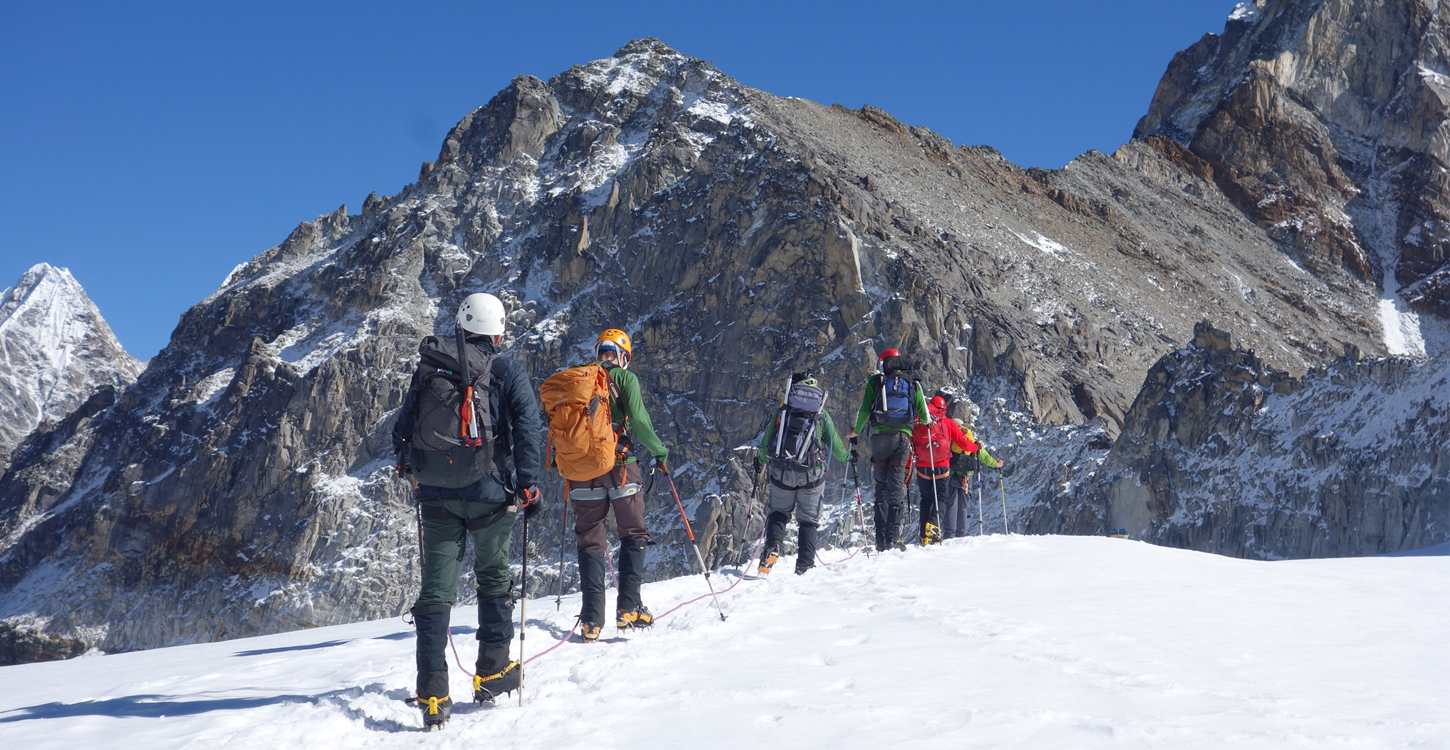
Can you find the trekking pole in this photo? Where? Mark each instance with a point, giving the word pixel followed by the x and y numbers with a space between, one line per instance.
pixel 861 506
pixel 523 607
pixel 691 532
pixel 563 531
pixel 422 553
pixel 1003 486
pixel 760 480
pixel 980 521
pixel 906 511
pixel 935 498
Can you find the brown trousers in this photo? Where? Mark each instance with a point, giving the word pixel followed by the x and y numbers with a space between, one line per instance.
pixel 589 515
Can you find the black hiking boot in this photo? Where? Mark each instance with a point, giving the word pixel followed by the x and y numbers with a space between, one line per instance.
pixel 806 554
pixel 488 687
pixel 494 674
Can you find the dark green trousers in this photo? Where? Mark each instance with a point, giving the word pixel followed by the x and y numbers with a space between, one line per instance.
pixel 447 526
pixel 445 547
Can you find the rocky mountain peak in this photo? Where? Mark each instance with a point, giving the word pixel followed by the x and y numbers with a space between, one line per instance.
pixel 1326 122
pixel 245 483
pixel 55 351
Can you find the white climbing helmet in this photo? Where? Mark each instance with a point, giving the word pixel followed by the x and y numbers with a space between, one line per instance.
pixel 481 314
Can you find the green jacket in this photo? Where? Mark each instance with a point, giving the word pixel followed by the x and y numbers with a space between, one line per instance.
pixel 631 413
pixel 868 400
pixel 826 437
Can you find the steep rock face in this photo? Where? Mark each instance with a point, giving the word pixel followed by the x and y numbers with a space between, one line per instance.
pixel 1327 123
pixel 55 351
pixel 1223 454
pixel 243 484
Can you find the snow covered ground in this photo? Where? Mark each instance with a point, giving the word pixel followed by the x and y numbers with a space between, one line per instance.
pixel 1042 642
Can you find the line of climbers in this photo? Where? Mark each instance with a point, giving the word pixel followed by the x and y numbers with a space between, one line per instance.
pixel 467 438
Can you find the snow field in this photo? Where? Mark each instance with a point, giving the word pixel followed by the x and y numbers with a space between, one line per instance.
pixel 994 641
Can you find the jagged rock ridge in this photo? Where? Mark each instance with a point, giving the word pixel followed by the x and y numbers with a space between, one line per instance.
pixel 242 485
pixel 1326 122
pixel 55 351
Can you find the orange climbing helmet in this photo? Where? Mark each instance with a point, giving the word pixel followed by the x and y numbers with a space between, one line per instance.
pixel 615 340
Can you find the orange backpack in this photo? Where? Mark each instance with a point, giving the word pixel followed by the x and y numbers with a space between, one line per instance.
pixel 580 429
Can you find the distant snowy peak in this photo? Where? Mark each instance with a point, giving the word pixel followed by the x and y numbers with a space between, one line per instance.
pixel 55 351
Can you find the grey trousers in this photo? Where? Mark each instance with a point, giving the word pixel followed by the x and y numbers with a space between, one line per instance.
pixel 957 508
pixel 805 501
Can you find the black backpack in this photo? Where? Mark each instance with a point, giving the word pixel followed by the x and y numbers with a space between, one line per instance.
pixel 441 452
pixel 795 445
pixel 893 401
pixel 966 463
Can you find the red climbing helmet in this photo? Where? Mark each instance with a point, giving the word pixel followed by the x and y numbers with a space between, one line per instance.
pixel 888 353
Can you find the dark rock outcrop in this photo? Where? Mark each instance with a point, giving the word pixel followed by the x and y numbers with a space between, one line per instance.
pixel 1221 453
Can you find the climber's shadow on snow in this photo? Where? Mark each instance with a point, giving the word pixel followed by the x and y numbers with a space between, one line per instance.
pixel 147 707
pixel 555 631
pixel 150 706
pixel 285 649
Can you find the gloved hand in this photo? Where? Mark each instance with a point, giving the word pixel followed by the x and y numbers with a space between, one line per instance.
pixel 529 500
pixel 661 466
pixel 852 437
pixel 400 450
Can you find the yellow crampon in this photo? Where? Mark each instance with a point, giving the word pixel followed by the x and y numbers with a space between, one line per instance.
pixel 479 679
pixel 432 704
pixel 770 558
pixel 932 535
pixel 639 617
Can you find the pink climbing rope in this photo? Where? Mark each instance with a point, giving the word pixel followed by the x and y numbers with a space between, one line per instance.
pixel 456 660
pixel 565 639
pixel 610 563
pixel 838 562
pixel 754 556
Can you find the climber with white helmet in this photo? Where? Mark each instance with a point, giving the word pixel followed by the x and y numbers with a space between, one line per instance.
pixel 467 436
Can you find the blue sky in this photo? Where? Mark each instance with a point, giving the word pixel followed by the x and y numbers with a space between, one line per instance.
pixel 152 147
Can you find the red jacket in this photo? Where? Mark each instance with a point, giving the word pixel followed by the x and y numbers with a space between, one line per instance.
pixel 933 445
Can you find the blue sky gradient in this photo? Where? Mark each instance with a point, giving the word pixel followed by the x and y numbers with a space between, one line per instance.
pixel 150 148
